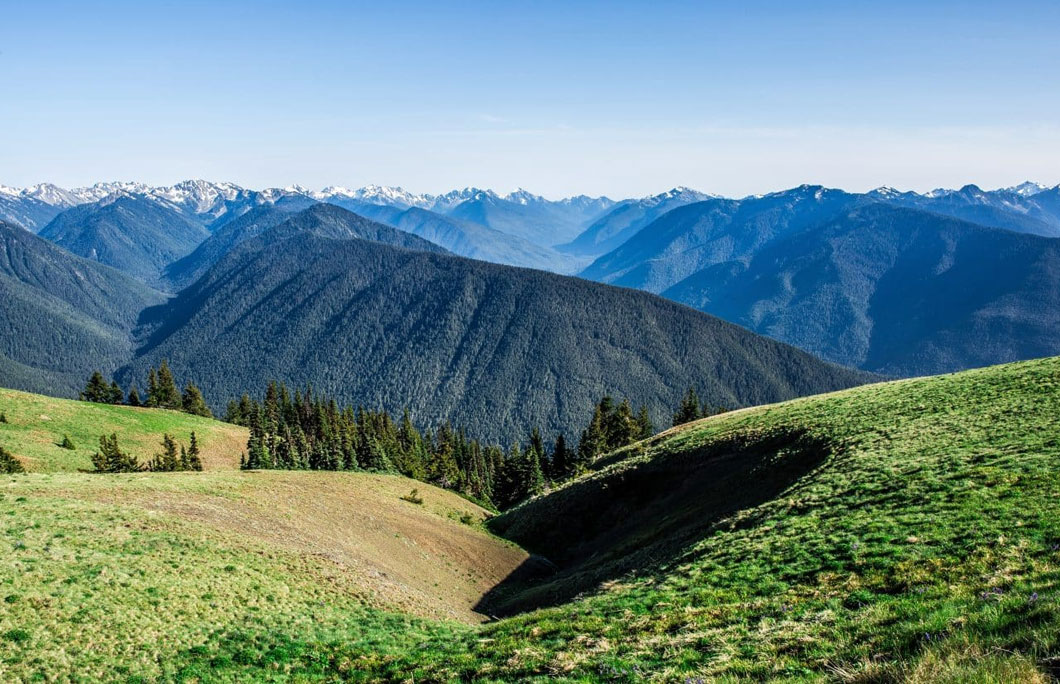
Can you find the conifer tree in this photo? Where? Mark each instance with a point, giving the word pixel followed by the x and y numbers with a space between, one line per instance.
pixel 194 458
pixel 245 407
pixel 562 460
pixel 644 425
pixel 168 461
pixel 192 402
pixel 67 443
pixel 592 442
pixel 257 454
pixel 232 412
pixel 96 389
pixel 533 477
pixel 152 389
pixel 111 459
pixel 114 394
pixel 134 397
pixel 509 480
pixel 168 394
pixel 620 426
pixel 690 408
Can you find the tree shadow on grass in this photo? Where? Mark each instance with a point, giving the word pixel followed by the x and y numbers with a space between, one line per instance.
pixel 642 517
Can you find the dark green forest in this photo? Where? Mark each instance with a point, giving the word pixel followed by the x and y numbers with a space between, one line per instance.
pixel 496 349
pixel 304 431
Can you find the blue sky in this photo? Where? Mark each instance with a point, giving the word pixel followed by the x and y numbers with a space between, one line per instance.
pixel 618 98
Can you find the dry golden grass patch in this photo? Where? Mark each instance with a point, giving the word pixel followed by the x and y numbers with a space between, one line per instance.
pixel 417 559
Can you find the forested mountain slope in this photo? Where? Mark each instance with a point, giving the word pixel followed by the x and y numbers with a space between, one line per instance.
pixel 135 235
pixel 691 237
pixel 325 219
pixel 895 291
pixel 64 316
pixel 625 220
pixel 495 348
pixel 855 280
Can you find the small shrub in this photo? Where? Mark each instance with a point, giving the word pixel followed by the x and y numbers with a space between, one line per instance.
pixel 467 519
pixel 3 417
pixel 413 497
pixel 18 636
pixel 9 464
pixel 67 443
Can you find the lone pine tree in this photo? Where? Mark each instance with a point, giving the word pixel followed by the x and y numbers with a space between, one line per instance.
pixel 194 458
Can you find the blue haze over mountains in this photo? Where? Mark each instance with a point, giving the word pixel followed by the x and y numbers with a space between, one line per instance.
pixel 891 282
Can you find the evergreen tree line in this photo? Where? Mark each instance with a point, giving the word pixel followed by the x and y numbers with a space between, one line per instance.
pixel 162 392
pixel 305 431
pixel 112 459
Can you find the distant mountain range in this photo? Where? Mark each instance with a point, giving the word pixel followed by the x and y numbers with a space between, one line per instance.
pixel 892 282
pixel 519 229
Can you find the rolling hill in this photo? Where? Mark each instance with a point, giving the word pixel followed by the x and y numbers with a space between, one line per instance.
pixel 64 316
pixel 136 235
pixel 36 425
pixel 903 531
pixel 494 348
pixel 135 576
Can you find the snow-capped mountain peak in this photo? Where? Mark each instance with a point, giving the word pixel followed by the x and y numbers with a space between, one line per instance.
pixel 1027 188
pixel 886 191
pixel 680 192
pixel 51 194
pixel 524 197
pixel 199 196
pixel 392 196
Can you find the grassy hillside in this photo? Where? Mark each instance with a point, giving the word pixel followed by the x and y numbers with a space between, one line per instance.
pixel 908 533
pixel 36 424
pixel 904 531
pixel 174 575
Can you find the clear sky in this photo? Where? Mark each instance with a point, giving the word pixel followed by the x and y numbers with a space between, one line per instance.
pixel 617 98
